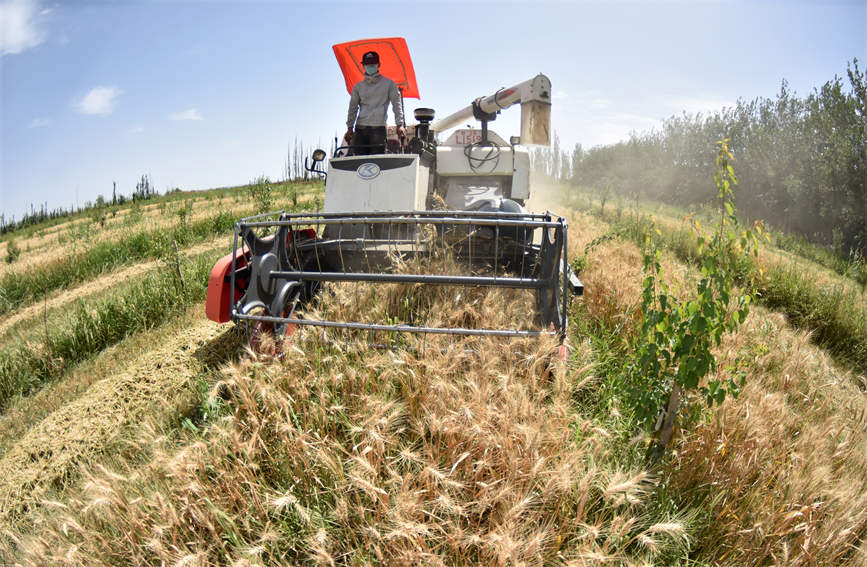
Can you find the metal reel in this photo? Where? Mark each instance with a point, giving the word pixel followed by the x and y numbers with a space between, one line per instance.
pixel 550 299
pixel 267 296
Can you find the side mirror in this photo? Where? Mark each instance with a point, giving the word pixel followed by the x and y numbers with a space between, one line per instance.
pixel 318 155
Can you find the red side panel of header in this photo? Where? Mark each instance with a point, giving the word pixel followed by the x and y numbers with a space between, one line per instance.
pixel 394 62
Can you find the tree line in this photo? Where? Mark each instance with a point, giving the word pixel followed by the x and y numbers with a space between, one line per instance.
pixel 801 161
pixel 144 190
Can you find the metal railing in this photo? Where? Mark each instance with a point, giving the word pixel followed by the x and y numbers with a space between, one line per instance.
pixel 285 261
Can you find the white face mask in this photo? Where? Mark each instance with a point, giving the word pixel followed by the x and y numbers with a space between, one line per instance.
pixel 371 69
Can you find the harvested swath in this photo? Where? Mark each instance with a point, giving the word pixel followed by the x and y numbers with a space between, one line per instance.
pixel 18 288
pixel 26 282
pixel 54 243
pixel 158 384
pixel 93 287
pixel 446 452
pixel 57 247
pixel 27 411
pixel 45 246
pixel 25 365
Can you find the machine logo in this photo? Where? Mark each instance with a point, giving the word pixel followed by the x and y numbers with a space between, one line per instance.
pixel 367 170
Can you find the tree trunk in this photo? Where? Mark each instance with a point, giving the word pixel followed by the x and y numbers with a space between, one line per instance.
pixel 658 446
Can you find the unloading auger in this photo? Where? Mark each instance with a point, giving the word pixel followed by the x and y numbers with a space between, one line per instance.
pixel 463 197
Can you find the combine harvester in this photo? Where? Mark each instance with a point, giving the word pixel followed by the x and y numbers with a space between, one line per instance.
pixel 465 194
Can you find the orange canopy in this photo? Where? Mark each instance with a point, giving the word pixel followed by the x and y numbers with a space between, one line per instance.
pixel 394 62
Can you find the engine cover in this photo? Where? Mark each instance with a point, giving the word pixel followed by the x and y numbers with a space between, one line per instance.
pixel 380 182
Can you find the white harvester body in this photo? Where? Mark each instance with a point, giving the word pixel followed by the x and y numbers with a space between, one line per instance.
pixel 464 175
pixel 470 175
pixel 386 182
pixel 473 169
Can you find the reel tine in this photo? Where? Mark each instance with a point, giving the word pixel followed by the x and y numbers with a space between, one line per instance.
pixel 281 246
pixel 339 248
pixel 496 249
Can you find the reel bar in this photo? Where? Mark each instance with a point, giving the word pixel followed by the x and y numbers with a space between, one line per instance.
pixel 290 255
pixel 417 214
pixel 344 219
pixel 499 281
pixel 396 328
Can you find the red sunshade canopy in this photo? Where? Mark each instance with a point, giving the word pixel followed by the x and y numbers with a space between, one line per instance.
pixel 394 62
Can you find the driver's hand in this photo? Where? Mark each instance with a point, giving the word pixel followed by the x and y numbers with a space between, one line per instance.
pixel 401 132
pixel 348 135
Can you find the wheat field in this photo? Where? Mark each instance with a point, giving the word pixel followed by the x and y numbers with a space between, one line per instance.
pixel 173 444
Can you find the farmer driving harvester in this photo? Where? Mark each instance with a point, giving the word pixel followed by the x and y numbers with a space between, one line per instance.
pixel 368 106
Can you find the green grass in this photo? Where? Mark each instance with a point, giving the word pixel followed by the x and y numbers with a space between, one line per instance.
pixel 283 188
pixel 853 267
pixel 27 364
pixel 835 317
pixel 20 288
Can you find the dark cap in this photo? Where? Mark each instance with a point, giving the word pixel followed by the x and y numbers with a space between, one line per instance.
pixel 370 58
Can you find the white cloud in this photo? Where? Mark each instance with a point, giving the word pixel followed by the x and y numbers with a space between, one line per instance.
pixel 19 30
pixel 137 129
pixel 559 95
pixel 600 103
pixel 39 123
pixel 189 114
pixel 99 101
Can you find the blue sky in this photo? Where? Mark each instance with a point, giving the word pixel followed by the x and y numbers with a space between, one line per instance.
pixel 209 94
